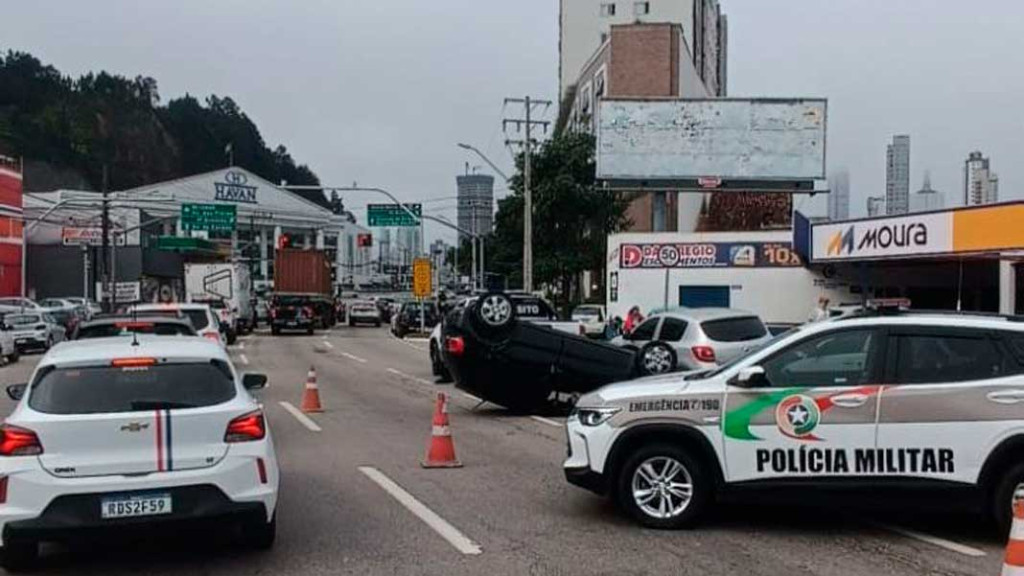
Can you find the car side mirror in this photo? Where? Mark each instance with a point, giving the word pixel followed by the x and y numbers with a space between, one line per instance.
pixel 254 381
pixel 751 377
pixel 16 391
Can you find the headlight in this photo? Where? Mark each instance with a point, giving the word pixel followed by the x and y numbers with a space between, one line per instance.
pixel 593 416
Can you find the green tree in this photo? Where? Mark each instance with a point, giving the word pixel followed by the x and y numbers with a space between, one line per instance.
pixel 571 219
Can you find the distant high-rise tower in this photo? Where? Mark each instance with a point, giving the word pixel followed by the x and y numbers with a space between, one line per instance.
pixel 981 185
pixel 897 175
pixel 476 203
pixel 839 196
pixel 926 198
pixel 876 206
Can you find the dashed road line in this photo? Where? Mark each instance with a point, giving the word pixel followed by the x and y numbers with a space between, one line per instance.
pixel 302 418
pixel 933 540
pixel 401 374
pixel 409 344
pixel 241 345
pixel 438 524
pixel 354 357
pixel 244 359
pixel 328 344
pixel 547 421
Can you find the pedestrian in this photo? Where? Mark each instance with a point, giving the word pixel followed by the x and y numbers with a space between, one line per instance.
pixel 633 319
pixel 820 312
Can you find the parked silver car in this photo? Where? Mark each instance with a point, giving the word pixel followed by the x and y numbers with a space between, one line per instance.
pixel 694 338
pixel 35 330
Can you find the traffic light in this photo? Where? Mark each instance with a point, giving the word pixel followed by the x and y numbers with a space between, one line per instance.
pixel 283 241
pixel 364 240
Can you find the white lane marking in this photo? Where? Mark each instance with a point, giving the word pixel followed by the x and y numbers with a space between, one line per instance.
pixel 409 344
pixel 933 540
pixel 244 359
pixel 471 397
pixel 325 336
pixel 302 418
pixel 241 345
pixel 328 344
pixel 401 374
pixel 430 518
pixel 354 357
pixel 547 421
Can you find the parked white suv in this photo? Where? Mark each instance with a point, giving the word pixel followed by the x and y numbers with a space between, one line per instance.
pixel 897 398
pixel 115 432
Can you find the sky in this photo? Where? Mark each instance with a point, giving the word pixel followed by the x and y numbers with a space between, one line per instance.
pixel 379 92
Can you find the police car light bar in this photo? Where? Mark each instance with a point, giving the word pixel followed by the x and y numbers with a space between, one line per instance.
pixel 888 304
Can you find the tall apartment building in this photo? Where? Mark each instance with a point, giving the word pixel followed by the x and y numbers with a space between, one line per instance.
pixel 475 203
pixel 897 175
pixel 839 195
pixel 927 199
pixel 981 185
pixel 585 26
pixel 876 206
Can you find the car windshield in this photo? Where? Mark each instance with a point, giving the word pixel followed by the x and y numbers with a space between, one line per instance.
pixel 21 319
pixel 199 318
pixel 105 389
pixel 737 329
pixel 738 359
pixel 107 330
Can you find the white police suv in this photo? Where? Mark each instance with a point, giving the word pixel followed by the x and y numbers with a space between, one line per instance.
pixel 122 432
pixel 924 399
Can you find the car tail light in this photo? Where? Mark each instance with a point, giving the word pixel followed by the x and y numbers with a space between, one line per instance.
pixel 212 336
pixel 704 353
pixel 246 428
pixel 17 441
pixel 455 345
pixel 3 489
pixel 132 362
pixel 261 469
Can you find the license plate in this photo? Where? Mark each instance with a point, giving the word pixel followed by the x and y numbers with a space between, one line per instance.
pixel 135 505
pixel 293 323
pixel 21 341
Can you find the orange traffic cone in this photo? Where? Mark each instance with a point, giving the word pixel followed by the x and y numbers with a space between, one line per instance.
pixel 1013 564
pixel 441 449
pixel 311 393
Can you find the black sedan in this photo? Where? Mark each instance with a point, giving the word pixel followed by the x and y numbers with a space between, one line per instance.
pixel 408 318
pixel 520 364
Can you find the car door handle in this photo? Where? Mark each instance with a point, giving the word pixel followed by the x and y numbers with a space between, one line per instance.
pixel 1006 396
pixel 849 400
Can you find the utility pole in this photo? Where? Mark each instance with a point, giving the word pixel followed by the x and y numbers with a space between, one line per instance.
pixel 105 242
pixel 527 123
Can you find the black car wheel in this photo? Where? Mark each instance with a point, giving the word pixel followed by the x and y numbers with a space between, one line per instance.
pixel 494 312
pixel 260 535
pixel 656 358
pixel 19 555
pixel 662 486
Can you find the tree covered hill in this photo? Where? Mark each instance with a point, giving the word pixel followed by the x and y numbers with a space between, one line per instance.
pixel 100 118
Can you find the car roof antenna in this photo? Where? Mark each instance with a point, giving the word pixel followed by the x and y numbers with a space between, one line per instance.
pixel 135 327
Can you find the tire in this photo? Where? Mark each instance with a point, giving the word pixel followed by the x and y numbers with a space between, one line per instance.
pixel 19 555
pixel 678 512
pixel 351 324
pixel 435 361
pixel 1002 497
pixel 260 535
pixel 232 337
pixel 656 358
pixel 494 313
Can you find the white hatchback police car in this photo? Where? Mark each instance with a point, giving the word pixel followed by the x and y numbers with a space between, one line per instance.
pixel 913 399
pixel 122 432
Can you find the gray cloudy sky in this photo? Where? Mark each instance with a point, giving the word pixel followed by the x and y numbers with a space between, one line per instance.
pixel 380 91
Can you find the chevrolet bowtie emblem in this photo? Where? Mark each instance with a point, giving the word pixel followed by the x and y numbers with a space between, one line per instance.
pixel 134 427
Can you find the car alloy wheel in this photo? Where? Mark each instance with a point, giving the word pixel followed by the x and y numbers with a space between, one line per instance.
pixel 657 360
pixel 495 310
pixel 662 487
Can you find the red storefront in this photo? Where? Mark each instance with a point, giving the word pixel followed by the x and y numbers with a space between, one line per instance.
pixel 12 238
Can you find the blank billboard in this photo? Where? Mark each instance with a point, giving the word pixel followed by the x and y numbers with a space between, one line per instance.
pixel 732 139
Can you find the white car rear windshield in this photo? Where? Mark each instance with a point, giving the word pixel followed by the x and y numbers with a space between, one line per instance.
pixel 111 389
pixel 199 318
pixel 734 329
pixel 22 319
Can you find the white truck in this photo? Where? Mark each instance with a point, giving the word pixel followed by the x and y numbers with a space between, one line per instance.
pixel 225 282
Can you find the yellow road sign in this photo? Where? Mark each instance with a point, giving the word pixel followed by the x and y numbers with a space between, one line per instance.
pixel 421 278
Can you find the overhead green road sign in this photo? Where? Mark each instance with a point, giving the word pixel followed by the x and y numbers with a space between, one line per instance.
pixel 392 215
pixel 208 217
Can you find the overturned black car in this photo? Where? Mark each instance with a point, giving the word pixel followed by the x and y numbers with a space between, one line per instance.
pixel 519 364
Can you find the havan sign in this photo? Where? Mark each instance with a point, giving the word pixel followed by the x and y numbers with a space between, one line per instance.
pixel 235 189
